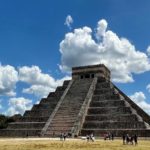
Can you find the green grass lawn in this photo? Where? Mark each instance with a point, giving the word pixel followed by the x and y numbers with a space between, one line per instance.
pixel 47 144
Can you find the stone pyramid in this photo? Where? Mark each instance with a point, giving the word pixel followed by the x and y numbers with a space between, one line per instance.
pixel 89 103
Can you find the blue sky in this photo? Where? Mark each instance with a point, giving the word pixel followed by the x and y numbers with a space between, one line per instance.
pixel 37 47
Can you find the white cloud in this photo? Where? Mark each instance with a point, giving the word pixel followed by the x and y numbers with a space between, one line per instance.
pixel 18 105
pixel 139 98
pixel 148 87
pixel 68 21
pixel 148 50
pixel 8 80
pixel 41 84
pixel 38 90
pixel 101 28
pixel 118 54
pixel 33 75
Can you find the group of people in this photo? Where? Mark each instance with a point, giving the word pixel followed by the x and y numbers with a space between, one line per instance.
pixel 109 136
pixel 63 136
pixel 90 137
pixel 130 139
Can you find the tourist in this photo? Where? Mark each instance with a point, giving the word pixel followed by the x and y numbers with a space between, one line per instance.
pixel 109 135
pixel 92 137
pixel 135 138
pixel 106 136
pixel 61 136
pixel 88 138
pixel 70 134
pixel 112 136
pixel 124 139
pixel 127 139
pixel 131 140
pixel 53 134
pixel 64 136
pixel 27 135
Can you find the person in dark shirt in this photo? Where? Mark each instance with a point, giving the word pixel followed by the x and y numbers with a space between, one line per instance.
pixel 135 138
pixel 124 139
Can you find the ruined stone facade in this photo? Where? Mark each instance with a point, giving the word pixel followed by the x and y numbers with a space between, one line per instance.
pixel 84 72
pixel 89 103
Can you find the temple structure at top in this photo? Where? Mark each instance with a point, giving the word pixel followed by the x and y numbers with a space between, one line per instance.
pixel 84 72
pixel 88 103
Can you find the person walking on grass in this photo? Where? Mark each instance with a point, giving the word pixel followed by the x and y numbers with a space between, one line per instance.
pixel 135 138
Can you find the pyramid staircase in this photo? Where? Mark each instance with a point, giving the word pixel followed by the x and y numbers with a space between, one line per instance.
pixel 111 111
pixel 67 113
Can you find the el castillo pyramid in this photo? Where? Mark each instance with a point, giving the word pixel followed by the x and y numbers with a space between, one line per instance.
pixel 89 103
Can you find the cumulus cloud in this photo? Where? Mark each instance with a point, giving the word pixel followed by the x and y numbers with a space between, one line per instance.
pixel 40 83
pixel 38 90
pixel 148 87
pixel 8 80
pixel 140 99
pixel 80 48
pixel 101 28
pixel 68 21
pixel 148 50
pixel 18 105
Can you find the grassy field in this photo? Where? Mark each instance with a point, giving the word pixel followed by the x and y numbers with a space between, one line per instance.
pixel 47 144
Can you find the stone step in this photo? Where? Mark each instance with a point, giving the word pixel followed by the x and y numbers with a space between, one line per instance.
pixel 66 117
pixel 55 94
pixel 44 106
pixel 71 102
pixel 59 117
pixel 19 132
pixel 73 114
pixel 113 125
pixel 101 80
pixel 26 125
pixel 40 113
pixel 116 132
pixel 33 119
pixel 78 97
pixel 60 88
pixel 103 85
pixel 66 82
pixel 59 128
pixel 105 97
pixel 66 107
pixel 109 110
pixel 106 117
pixel 107 103
pixel 69 109
pixel 63 124
pixel 104 91
pixel 50 100
pixel 63 120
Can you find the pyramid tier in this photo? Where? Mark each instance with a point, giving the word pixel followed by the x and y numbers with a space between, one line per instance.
pixel 113 125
